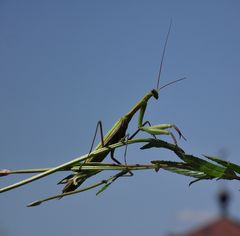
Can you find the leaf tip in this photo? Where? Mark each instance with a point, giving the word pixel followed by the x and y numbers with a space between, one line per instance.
pixel 36 203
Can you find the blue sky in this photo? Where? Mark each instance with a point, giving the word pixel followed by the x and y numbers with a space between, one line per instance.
pixel 67 64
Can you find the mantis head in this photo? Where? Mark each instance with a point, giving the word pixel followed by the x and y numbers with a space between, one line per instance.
pixel 155 93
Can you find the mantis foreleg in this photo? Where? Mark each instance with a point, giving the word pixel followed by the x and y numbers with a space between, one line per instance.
pixel 157 129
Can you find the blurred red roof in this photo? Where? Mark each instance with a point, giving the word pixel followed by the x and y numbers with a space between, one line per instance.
pixel 220 227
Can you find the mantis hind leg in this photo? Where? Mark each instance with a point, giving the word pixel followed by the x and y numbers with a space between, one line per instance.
pixel 113 158
pixel 99 126
pixel 129 173
pixel 126 173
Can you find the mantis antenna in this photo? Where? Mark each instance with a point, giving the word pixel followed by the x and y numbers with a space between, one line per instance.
pixel 164 49
pixel 172 82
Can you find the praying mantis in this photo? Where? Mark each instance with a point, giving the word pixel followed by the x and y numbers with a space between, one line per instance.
pixel 118 131
pixel 115 135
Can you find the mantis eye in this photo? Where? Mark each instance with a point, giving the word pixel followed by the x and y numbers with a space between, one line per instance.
pixel 155 93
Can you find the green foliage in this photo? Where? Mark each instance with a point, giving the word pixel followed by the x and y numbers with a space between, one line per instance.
pixel 227 164
pixel 189 165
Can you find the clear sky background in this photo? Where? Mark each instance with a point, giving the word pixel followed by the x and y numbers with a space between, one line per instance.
pixel 67 64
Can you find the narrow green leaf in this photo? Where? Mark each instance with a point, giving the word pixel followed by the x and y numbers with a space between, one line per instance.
pixel 157 143
pixel 227 164
pixel 103 188
pixel 179 168
pixel 197 180
pixel 187 172
pixel 209 168
pixel 36 203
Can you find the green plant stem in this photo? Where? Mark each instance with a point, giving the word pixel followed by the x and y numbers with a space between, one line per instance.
pixel 73 162
pixel 89 166
pixel 38 202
